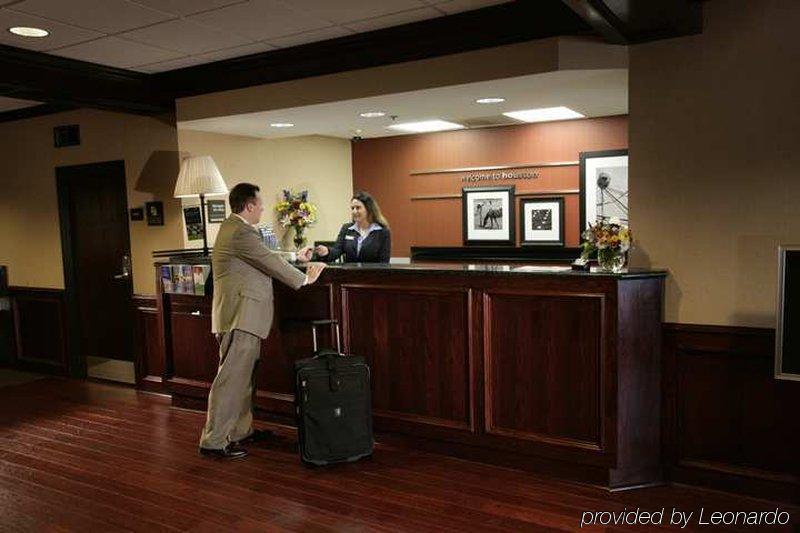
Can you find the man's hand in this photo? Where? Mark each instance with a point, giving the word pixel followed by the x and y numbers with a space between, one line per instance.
pixel 321 250
pixel 313 270
pixel 304 254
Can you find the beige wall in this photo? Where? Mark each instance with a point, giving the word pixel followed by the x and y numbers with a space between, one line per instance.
pixel 714 159
pixel 323 165
pixel 30 241
pixel 544 55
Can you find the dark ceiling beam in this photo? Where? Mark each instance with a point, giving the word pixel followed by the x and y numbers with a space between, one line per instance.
pixel 497 25
pixel 33 111
pixel 66 82
pixel 632 22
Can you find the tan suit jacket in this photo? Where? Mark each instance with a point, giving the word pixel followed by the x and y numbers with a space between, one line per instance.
pixel 243 269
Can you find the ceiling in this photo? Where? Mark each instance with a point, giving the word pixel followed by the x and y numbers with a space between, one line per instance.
pixel 10 104
pixel 152 36
pixel 593 93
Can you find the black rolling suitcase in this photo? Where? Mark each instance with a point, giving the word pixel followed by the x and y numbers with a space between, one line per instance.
pixel 332 399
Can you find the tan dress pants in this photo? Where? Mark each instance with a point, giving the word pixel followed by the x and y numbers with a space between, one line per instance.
pixel 230 402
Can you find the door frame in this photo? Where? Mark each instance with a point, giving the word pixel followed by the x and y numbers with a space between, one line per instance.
pixel 76 362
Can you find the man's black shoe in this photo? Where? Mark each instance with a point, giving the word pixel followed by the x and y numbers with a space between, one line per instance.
pixel 231 451
pixel 258 435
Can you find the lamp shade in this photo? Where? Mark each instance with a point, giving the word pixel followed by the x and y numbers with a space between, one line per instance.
pixel 199 175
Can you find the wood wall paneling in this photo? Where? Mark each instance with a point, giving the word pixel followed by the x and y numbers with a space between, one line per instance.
pixel 416 341
pixel 384 167
pixel 728 423
pixel 40 330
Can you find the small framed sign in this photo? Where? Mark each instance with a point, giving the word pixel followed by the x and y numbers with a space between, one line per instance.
pixel 137 213
pixel 542 221
pixel 155 213
pixel 216 211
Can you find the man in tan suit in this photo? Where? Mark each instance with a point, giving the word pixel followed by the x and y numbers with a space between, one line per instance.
pixel 241 316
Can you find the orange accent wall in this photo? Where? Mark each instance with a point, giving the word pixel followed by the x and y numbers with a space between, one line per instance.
pixel 383 167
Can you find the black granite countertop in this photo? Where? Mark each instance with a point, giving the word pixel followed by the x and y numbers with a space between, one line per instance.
pixel 493 268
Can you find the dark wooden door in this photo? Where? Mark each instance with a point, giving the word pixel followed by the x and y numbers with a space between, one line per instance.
pixel 96 244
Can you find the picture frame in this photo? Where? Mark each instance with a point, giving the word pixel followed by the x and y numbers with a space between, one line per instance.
pixel 603 186
pixel 217 211
pixel 541 221
pixel 155 213
pixel 137 213
pixel 488 215
pixel 194 223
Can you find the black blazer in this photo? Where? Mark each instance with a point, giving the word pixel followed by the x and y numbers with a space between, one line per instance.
pixel 376 248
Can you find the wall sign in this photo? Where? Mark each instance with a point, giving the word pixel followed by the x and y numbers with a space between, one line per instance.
pixel 498 175
pixel 194 223
pixel 155 213
pixel 137 213
pixel 216 211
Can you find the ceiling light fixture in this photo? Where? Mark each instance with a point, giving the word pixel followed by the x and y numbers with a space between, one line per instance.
pixel 544 114
pixel 24 31
pixel 490 100
pixel 372 114
pixel 426 126
pixel 281 125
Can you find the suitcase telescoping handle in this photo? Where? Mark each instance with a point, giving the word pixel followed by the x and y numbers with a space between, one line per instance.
pixel 327 322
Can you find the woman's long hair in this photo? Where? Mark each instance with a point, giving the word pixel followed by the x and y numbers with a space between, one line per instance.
pixel 373 209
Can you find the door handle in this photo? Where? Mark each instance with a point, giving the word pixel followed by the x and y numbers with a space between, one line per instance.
pixel 195 313
pixel 124 275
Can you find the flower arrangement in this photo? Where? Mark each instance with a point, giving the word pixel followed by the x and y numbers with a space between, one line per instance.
pixel 611 240
pixel 295 211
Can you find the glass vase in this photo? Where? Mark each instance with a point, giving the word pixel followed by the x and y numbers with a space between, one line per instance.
pixel 611 260
pixel 299 238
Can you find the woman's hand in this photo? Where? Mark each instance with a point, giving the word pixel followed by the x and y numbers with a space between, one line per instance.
pixel 321 250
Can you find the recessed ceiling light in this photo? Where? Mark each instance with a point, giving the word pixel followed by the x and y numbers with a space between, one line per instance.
pixel 372 114
pixel 25 31
pixel 544 114
pixel 491 100
pixel 282 125
pixel 426 126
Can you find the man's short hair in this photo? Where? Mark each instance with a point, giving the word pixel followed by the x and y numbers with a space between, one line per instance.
pixel 240 195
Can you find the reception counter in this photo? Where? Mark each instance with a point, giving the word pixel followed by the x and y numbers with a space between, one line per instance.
pixel 538 367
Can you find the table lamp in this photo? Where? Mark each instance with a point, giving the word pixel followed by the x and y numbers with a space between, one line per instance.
pixel 200 176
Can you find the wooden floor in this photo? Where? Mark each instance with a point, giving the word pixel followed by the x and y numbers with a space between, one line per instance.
pixel 80 456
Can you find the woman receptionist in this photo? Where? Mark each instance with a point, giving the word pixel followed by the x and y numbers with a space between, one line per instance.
pixel 366 239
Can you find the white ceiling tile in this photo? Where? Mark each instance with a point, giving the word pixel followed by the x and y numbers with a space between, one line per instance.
pixel 109 16
pixel 349 10
pixel 9 104
pixel 260 20
pixel 185 36
pixel 117 52
pixel 310 36
pixel 396 19
pixel 60 34
pixel 457 6
pixel 186 7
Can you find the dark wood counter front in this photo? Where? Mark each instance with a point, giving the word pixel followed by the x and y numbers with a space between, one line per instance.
pixel 540 367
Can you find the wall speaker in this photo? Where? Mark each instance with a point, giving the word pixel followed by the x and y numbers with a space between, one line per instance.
pixel 787 333
pixel 66 135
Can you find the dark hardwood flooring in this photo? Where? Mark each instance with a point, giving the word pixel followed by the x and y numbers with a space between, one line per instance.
pixel 82 456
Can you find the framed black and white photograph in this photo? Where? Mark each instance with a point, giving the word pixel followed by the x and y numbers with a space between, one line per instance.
pixel 488 215
pixel 542 221
pixel 603 186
